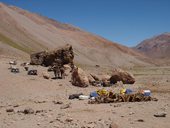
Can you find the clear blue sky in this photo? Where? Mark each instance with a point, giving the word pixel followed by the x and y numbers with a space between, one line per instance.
pixel 124 21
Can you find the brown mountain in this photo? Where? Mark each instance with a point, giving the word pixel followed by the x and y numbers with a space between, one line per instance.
pixel 157 47
pixel 22 33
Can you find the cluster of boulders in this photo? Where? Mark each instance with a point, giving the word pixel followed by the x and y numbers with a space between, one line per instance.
pixel 61 59
pixel 81 79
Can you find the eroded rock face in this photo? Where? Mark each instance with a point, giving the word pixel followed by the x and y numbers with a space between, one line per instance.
pixel 120 75
pixel 60 56
pixel 79 78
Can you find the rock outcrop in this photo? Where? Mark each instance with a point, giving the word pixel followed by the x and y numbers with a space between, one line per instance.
pixel 60 56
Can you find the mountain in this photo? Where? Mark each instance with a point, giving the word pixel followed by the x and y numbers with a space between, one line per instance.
pixel 22 33
pixel 157 47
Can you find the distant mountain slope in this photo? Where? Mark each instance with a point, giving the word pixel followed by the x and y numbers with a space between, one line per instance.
pixel 157 47
pixel 27 32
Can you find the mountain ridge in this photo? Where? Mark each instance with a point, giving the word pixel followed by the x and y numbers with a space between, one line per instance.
pixel 157 47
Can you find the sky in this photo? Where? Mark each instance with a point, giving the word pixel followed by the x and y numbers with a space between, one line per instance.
pixel 127 22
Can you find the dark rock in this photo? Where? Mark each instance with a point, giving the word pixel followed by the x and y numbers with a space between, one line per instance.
pixel 15 106
pixel 140 120
pixel 39 111
pixel 160 115
pixel 51 121
pixel 57 102
pixel 10 110
pixel 69 120
pixel 28 111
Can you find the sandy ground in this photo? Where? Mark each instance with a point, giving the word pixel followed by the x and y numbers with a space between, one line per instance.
pixel 20 91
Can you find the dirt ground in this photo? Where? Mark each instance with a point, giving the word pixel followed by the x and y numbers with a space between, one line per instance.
pixel 53 109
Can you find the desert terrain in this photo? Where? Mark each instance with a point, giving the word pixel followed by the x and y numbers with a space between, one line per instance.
pixel 33 101
pixel 48 99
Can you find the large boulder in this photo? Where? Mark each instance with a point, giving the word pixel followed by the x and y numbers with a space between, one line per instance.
pixel 60 56
pixel 79 78
pixel 120 75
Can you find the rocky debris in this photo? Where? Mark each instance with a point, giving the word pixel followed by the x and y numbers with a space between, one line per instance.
pixel 65 106
pixel 57 102
pixel 40 101
pixel 27 111
pixel 46 75
pixel 16 105
pixel 97 66
pixel 120 75
pixel 69 120
pixel 140 120
pixel 117 105
pixel 39 111
pixel 10 110
pixel 79 78
pixel 160 115
pixel 62 55
pixel 113 125
pixel 131 113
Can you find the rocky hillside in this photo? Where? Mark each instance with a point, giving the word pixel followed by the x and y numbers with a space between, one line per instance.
pixel 157 47
pixel 22 33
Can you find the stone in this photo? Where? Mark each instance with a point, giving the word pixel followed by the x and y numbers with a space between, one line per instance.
pixel 57 102
pixel 65 106
pixel 28 111
pixel 113 125
pixel 46 75
pixel 120 75
pixel 10 110
pixel 160 115
pixel 79 78
pixel 69 120
pixel 140 120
